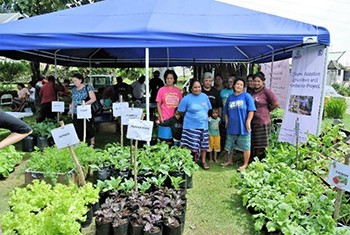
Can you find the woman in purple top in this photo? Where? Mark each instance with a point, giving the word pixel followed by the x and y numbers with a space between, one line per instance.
pixel 265 102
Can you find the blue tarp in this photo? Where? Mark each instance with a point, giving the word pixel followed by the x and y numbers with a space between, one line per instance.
pixel 115 33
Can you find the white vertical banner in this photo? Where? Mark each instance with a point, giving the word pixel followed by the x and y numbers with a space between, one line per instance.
pixel 304 97
pixel 280 81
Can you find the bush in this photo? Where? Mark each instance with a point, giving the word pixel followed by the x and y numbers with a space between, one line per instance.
pixel 335 108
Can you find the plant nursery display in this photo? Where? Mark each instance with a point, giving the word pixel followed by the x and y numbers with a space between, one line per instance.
pixel 9 158
pixel 41 208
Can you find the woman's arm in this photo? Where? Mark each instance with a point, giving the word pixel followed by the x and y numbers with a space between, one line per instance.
pixel 160 117
pixel 249 120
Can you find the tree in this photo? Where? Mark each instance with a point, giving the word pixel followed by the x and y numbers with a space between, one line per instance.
pixel 14 71
pixel 38 7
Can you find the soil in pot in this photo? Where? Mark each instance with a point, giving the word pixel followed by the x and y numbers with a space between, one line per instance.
pixel 156 230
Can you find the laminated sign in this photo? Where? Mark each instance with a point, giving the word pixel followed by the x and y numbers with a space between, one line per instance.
pixel 339 175
pixel 84 111
pixel 65 136
pixel 130 113
pixel 57 106
pixel 139 130
pixel 117 108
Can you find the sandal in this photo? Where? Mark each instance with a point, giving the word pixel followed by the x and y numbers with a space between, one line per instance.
pixel 225 164
pixel 205 166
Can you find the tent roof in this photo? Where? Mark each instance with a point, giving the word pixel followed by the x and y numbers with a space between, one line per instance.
pixel 115 33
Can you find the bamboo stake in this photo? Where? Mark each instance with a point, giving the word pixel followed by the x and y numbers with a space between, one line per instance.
pixel 339 195
pixel 84 126
pixel 121 125
pixel 81 177
pixel 135 165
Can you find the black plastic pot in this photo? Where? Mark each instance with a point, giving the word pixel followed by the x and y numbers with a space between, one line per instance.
pixel 95 207
pixel 135 229
pixel 103 229
pixel 168 230
pixel 28 144
pixel 41 142
pixel 189 181
pixel 122 229
pixel 89 215
pixel 103 174
pixel 156 233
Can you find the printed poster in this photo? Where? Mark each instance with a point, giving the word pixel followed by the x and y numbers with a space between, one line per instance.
pixel 339 176
pixel 130 113
pixel 279 82
pixel 305 92
pixel 139 130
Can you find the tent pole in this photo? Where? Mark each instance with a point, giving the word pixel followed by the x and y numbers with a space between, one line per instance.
pixel 56 62
pixel 273 60
pixel 318 131
pixel 147 81
pixel 167 58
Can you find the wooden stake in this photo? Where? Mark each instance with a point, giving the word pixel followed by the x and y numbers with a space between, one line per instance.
pixel 81 177
pixel 121 125
pixel 135 165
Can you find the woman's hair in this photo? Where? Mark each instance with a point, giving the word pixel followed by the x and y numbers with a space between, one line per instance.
pixel 260 75
pixel 79 76
pixel 169 71
pixel 250 76
pixel 239 79
pixel 21 84
pixel 192 83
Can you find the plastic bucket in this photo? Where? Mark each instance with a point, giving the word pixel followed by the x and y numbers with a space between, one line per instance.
pixel 164 132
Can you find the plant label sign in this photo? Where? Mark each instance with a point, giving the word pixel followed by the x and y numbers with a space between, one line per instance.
pixel 339 175
pixel 117 108
pixel 84 112
pixel 139 130
pixel 65 136
pixel 130 113
pixel 57 106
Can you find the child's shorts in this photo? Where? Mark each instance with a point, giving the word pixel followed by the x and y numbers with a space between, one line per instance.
pixel 240 142
pixel 214 143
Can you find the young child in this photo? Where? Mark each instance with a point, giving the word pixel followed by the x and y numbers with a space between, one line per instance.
pixel 175 124
pixel 214 134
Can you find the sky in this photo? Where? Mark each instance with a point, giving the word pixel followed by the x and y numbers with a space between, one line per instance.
pixel 334 15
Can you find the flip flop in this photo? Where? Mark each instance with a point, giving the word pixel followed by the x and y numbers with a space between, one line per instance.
pixel 205 166
pixel 226 164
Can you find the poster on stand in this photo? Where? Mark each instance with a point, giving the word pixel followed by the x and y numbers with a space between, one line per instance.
pixel 339 176
pixel 57 106
pixel 84 111
pixel 65 136
pixel 117 108
pixel 279 81
pixel 305 94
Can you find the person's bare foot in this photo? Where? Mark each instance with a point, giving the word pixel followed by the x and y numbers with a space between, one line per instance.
pixel 242 168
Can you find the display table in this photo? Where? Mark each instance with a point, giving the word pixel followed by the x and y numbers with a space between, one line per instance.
pixel 20 115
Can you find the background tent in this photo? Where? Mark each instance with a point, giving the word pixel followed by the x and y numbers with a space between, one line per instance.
pixel 177 32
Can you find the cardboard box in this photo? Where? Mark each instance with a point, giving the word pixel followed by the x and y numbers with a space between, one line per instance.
pixel 107 127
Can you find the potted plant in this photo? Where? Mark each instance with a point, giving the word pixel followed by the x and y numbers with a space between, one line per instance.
pixel 42 131
pixel 9 158
pixel 153 224
pixel 104 218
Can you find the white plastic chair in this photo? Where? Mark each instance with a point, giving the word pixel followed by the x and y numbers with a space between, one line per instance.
pixel 6 99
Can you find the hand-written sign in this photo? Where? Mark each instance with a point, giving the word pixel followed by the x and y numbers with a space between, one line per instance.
pixel 130 113
pixel 139 130
pixel 339 175
pixel 84 112
pixel 57 106
pixel 117 108
pixel 65 136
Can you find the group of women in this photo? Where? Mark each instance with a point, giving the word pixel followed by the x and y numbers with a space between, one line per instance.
pixel 246 114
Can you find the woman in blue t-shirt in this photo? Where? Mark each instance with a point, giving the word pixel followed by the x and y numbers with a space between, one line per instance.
pixel 195 107
pixel 238 111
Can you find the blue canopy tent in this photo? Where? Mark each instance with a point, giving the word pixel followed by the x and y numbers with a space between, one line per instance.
pixel 138 33
pixel 177 32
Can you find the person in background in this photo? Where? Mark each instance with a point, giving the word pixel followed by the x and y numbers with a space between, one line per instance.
pixel 250 80
pixel 214 135
pixel 48 93
pixel 122 89
pixel 239 111
pixel 139 89
pixel 38 84
pixel 22 95
pixel 195 107
pixel 80 93
pixel 168 99
pixel 175 123
pixel 265 102
pixel 31 92
pixel 212 93
pixel 219 82
pixel 154 85
pixel 19 129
